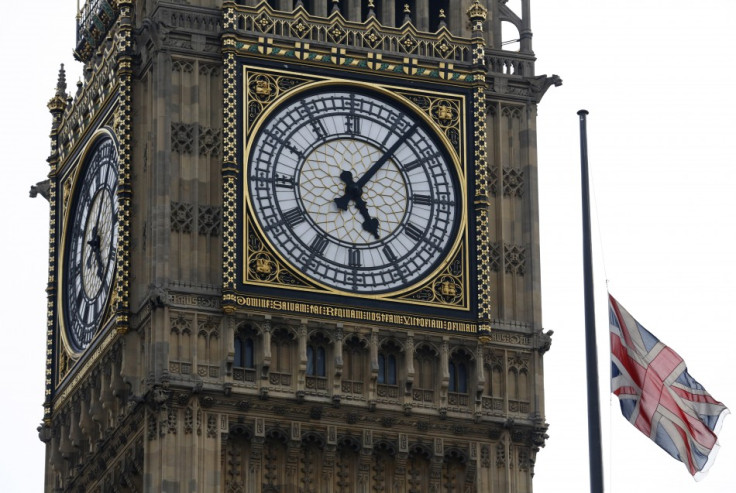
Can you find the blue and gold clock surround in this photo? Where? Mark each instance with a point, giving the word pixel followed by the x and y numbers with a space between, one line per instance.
pixel 350 193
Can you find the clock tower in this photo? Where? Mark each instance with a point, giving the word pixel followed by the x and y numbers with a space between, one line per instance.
pixel 294 247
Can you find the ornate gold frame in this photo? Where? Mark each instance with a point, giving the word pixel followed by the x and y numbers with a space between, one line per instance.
pixel 448 286
pixel 255 35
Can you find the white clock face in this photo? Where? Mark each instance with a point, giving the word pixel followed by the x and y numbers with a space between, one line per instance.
pixel 353 190
pixel 89 264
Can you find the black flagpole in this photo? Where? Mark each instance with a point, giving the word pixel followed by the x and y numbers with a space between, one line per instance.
pixel 591 355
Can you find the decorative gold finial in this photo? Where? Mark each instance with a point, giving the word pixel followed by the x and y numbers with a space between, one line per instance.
pixel 407 13
pixel 371 12
pixel 442 16
pixel 477 14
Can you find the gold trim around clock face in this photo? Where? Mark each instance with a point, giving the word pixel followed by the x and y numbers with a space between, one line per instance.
pixel 265 91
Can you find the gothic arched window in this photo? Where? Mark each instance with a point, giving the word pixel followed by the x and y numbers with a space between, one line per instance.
pixel 458 377
pixel 282 355
pixel 317 354
pixel 355 366
pixel 244 351
pixel 388 370
pixel 315 360
pixel 425 374
pixel 244 359
pixel 494 392
pixel 459 369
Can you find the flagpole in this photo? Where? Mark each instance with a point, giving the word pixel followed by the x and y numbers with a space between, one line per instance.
pixel 591 354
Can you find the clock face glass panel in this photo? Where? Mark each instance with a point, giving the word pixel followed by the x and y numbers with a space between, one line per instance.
pixel 91 244
pixel 354 190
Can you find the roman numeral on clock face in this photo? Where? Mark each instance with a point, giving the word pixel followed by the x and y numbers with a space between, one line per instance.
pixel 319 244
pixel 354 258
pixel 352 122
pixel 293 217
pixel 282 181
pixel 413 165
pixel 422 199
pixel 390 255
pixel 413 232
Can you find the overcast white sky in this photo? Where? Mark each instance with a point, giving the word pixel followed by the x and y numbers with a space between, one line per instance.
pixel 658 79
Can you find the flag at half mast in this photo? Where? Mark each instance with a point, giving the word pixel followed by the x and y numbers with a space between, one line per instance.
pixel 659 397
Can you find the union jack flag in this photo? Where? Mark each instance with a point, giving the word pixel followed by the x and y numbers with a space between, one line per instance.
pixel 658 395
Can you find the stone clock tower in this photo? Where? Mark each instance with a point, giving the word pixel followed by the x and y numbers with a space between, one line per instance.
pixel 294 248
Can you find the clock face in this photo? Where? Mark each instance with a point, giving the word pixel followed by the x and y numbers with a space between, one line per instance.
pixel 91 244
pixel 354 190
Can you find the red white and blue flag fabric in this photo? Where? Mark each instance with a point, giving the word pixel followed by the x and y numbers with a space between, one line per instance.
pixel 658 395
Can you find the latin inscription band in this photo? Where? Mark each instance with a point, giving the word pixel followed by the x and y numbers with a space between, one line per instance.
pixel 354 314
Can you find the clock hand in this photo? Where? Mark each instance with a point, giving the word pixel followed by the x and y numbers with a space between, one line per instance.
pixel 94 243
pixel 99 212
pixel 370 224
pixel 351 189
pixel 98 256
pixel 353 192
pixel 342 202
pixel 382 160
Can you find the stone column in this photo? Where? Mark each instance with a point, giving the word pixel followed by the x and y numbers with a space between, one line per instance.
pixel 286 5
pixel 337 380
pixel 320 7
pixel 354 11
pixel 409 358
pixel 374 368
pixel 301 377
pixel 266 340
pixel 421 15
pixel 388 16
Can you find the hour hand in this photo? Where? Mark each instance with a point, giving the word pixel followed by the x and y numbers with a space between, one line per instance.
pixel 353 192
pixel 100 268
pixel 370 224
pixel 94 244
pixel 350 189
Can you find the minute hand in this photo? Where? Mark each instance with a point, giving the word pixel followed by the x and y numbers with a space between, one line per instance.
pixel 382 160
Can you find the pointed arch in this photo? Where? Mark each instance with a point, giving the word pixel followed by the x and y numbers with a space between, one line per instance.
pixel 355 366
pixel 426 362
pixel 389 357
pixel 347 464
pixel 283 357
pixel 460 369
pixel 419 468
